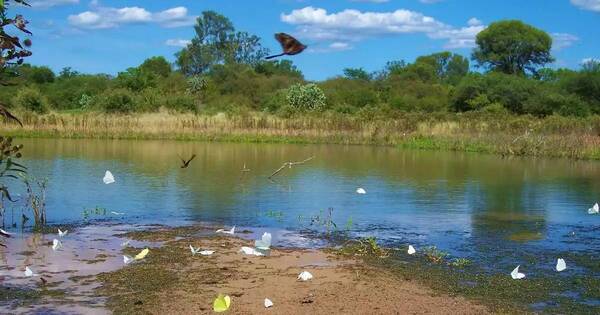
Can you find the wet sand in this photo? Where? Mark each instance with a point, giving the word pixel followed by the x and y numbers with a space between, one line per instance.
pixel 172 281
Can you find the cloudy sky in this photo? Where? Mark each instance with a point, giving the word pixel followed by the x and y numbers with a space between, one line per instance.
pixel 110 35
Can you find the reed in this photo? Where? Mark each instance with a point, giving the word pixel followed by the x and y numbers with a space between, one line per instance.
pixel 553 136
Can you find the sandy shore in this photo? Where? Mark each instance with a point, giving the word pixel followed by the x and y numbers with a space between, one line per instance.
pixel 172 281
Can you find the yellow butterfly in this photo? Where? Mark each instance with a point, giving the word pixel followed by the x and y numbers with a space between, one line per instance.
pixel 142 254
pixel 221 303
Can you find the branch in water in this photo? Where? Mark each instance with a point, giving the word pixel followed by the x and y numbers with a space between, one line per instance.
pixel 289 165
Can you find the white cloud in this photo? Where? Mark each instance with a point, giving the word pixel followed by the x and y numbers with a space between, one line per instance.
pixel 354 25
pixel 106 17
pixel 335 46
pixel 178 42
pixel 45 4
pixel 474 22
pixel 563 40
pixel 592 5
pixel 586 60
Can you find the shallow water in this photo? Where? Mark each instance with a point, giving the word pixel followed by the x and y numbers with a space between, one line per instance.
pixel 496 212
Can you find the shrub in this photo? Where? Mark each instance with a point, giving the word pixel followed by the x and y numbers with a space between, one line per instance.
pixel 31 99
pixel 117 101
pixel 273 101
pixel 306 97
pixel 544 104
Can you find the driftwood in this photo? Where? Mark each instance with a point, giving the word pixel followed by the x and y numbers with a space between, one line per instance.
pixel 289 165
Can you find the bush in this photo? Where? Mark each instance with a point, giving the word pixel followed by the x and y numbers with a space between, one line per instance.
pixel 274 101
pixel 31 99
pixel 544 104
pixel 117 101
pixel 306 97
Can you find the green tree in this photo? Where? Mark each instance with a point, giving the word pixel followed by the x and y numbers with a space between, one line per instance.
pixel 512 47
pixel 157 65
pixel 278 67
pixel 357 74
pixel 449 67
pixel 217 42
pixel 35 74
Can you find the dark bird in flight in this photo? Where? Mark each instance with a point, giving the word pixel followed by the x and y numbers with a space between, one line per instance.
pixel 4 112
pixel 184 163
pixel 290 45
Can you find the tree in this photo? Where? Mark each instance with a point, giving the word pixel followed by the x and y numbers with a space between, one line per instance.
pixel 449 67
pixel 278 67
pixel 357 74
pixel 156 65
pixel 512 47
pixel 217 42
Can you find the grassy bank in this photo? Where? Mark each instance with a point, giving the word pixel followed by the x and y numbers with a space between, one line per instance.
pixel 553 136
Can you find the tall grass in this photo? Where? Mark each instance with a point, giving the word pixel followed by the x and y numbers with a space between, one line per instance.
pixel 504 134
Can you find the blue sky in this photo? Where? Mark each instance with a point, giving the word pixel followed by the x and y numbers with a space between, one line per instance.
pixel 108 36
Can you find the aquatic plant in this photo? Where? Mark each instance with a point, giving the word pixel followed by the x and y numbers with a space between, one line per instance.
pixel 36 198
pixel 365 248
pixel 460 262
pixel 97 211
pixel 324 220
pixel 434 255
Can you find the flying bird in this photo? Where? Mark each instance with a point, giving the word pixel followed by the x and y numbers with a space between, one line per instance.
pixel 4 112
pixel 184 163
pixel 289 44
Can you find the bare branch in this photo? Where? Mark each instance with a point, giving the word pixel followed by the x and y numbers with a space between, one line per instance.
pixel 289 165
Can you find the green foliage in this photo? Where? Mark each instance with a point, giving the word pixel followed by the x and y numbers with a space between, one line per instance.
pixel 217 42
pixel 512 47
pixel 158 66
pixel 357 74
pixel 279 67
pixel 307 97
pixel 34 74
pixel 8 167
pixel 31 99
pixel 117 101
pixel 448 67
pixel 348 92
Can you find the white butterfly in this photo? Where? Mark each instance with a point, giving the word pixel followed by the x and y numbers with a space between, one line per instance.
pixel 411 250
pixel 361 191
pixel 56 245
pixel 61 233
pixel 207 252
pixel 117 213
pixel 595 209
pixel 127 259
pixel 126 243
pixel 3 232
pixel 108 178
pixel 232 231
pixel 250 251
pixel 268 303
pixel 516 275
pixel 264 243
pixel 561 265
pixel 29 273
pixel 194 250
pixel 305 276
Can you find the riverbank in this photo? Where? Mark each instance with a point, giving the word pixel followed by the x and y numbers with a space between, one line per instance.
pixel 172 281
pixel 554 136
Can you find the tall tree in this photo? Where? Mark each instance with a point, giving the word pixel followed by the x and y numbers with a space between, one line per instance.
pixel 512 47
pixel 449 67
pixel 217 42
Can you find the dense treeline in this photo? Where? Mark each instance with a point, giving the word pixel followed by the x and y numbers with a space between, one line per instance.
pixel 222 71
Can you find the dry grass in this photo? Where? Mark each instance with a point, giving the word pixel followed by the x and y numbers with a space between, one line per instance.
pixel 506 135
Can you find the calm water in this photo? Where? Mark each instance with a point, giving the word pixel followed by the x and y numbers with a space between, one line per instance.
pixel 497 212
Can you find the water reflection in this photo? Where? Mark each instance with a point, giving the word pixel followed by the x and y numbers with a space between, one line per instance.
pixel 468 204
